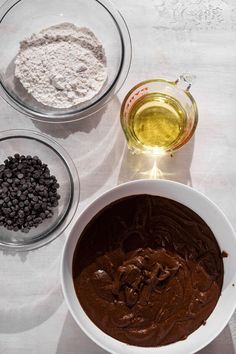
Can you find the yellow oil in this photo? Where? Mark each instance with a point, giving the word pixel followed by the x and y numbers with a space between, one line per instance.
pixel 157 121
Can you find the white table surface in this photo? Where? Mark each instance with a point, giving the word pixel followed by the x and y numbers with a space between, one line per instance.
pixel 169 37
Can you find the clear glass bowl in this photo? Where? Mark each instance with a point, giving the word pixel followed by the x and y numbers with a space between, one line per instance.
pixel 21 18
pixel 26 142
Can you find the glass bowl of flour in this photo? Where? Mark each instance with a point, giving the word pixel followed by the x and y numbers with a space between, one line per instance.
pixel 62 60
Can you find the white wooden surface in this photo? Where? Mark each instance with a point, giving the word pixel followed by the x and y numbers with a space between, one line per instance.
pixel 169 37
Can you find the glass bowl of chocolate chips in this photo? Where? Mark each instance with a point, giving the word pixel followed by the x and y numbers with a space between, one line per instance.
pixel 39 189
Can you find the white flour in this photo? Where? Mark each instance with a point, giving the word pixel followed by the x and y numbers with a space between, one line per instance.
pixel 62 66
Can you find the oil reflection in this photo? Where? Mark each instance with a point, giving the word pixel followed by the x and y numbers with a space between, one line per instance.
pixel 175 167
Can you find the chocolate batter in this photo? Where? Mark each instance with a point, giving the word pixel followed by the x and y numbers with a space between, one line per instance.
pixel 147 270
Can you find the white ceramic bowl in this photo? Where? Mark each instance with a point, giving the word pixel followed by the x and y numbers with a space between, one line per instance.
pixel 224 234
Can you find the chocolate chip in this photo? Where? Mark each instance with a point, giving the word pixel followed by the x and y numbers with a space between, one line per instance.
pixel 8 173
pixel 26 230
pixel 21 214
pixel 20 175
pixel 18 193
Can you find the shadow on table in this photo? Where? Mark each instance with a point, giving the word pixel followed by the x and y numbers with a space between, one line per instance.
pixel 32 291
pixel 95 144
pixel 64 130
pixel 102 164
pixel 223 344
pixel 74 341
pixel 175 167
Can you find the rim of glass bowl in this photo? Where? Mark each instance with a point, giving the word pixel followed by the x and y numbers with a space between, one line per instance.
pixel 59 227
pixel 77 114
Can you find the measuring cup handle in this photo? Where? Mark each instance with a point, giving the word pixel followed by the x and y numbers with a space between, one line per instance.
pixel 185 81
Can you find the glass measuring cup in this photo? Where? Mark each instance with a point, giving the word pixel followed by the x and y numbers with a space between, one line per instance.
pixel 159 116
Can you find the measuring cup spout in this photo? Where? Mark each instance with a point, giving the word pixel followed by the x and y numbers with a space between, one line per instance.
pixel 185 81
